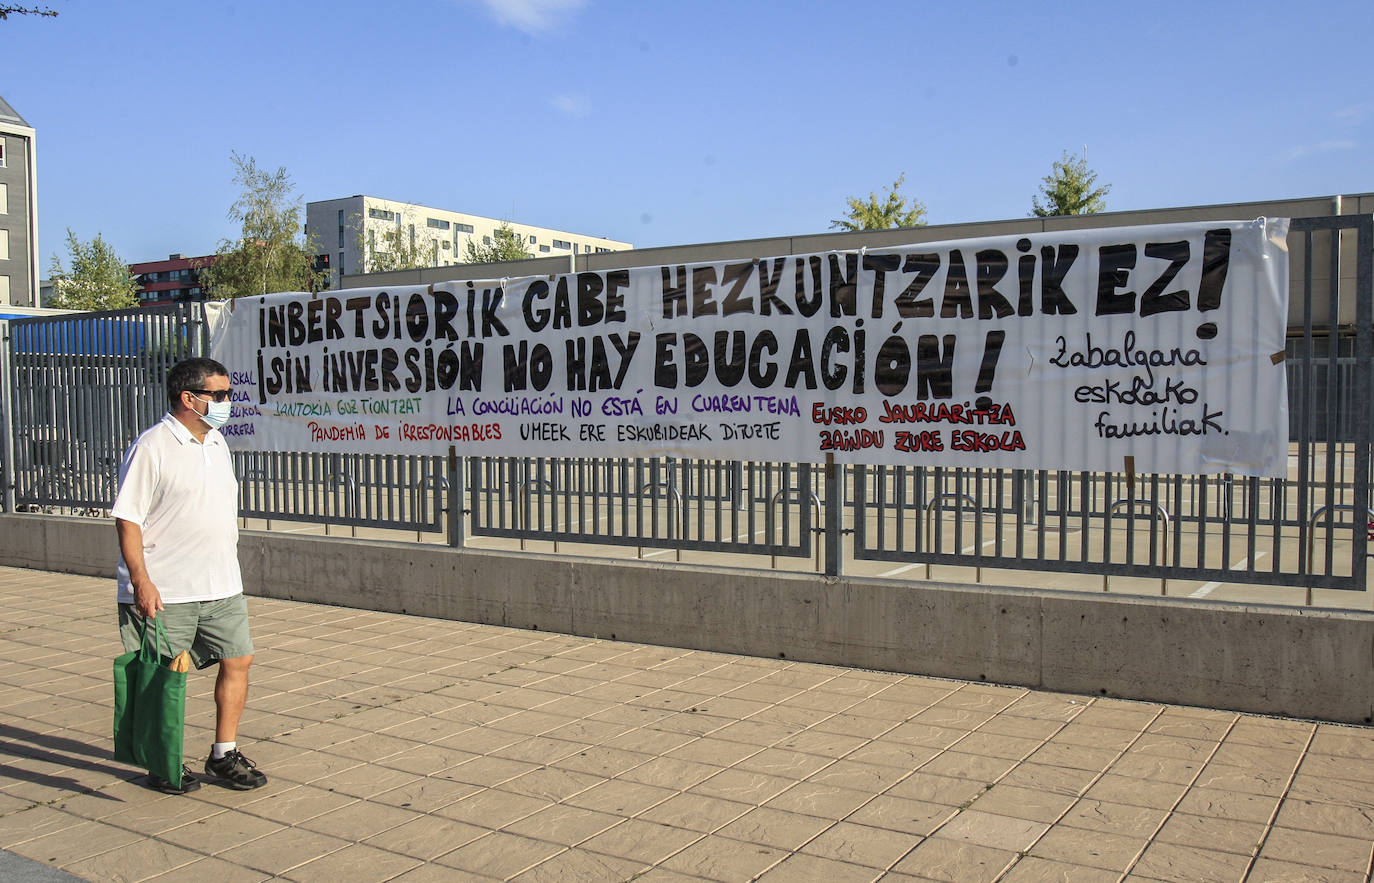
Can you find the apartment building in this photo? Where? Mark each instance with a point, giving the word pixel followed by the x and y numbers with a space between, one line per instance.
pixel 178 278
pixel 18 210
pixel 347 231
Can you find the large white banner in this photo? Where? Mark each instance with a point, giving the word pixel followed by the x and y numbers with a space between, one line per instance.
pixel 1157 349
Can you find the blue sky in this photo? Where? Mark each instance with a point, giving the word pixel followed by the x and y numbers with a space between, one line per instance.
pixel 669 123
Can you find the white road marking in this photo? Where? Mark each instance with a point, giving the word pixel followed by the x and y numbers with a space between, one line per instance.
pixel 1206 589
pixel 905 567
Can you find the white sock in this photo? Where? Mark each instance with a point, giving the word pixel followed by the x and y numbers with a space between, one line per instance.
pixel 219 749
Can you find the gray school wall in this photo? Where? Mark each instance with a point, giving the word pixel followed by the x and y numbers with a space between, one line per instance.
pixel 1270 660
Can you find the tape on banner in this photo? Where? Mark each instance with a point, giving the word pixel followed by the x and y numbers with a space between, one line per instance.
pixel 1278 357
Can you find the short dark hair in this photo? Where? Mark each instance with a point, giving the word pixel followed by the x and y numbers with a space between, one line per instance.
pixel 191 374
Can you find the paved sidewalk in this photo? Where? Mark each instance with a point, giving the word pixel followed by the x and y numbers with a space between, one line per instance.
pixel 418 749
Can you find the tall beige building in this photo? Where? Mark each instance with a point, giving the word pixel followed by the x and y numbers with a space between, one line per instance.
pixel 350 230
pixel 18 211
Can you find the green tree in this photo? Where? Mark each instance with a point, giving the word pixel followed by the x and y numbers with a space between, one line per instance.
pixel 892 210
pixel 506 245
pixel 271 252
pixel 1068 189
pixel 6 10
pixel 99 278
pixel 394 249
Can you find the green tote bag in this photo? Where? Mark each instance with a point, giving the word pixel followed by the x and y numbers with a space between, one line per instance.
pixel 149 706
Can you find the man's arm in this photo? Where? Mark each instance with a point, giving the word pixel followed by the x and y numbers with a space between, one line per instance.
pixel 147 599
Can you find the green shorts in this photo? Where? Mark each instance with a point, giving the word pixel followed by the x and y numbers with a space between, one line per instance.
pixel 211 630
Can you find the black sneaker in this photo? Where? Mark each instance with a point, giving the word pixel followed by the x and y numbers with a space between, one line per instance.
pixel 188 784
pixel 236 771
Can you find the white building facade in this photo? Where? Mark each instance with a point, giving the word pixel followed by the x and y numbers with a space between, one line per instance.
pixel 18 210
pixel 351 229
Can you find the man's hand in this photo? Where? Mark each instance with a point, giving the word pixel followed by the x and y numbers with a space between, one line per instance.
pixel 147 599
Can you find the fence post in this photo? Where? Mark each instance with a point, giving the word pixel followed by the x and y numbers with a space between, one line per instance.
pixel 834 517
pixel 203 325
pixel 7 474
pixel 457 490
pixel 1364 353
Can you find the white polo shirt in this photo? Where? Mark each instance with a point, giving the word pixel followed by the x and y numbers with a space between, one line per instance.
pixel 184 496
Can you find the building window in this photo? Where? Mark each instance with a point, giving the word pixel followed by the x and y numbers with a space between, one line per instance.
pixel 381 214
pixel 559 243
pixel 463 228
pixel 543 248
pixel 436 224
pixel 2 165
pixel 600 250
pixel 532 239
pixel 4 289
pixel 486 240
pixel 446 245
pixel 341 264
pixel 4 245
pixel 4 198
pixel 412 235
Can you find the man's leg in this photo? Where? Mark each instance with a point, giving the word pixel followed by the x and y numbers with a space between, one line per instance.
pixel 223 638
pixel 231 694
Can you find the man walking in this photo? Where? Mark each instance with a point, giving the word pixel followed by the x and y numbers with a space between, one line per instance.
pixel 176 515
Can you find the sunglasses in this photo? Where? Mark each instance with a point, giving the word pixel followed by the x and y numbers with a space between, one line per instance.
pixel 219 395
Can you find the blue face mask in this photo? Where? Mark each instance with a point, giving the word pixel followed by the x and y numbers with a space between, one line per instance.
pixel 216 413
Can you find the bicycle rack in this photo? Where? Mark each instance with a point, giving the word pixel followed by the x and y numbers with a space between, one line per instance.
pixel 1312 530
pixel 440 482
pixel 938 502
pixel 673 496
pixel 816 529
pixel 522 505
pixel 348 481
pixel 1155 509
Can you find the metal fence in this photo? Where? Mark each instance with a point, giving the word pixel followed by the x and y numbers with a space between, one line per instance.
pixel 700 505
pixel 80 388
pixel 1308 529
pixel 355 490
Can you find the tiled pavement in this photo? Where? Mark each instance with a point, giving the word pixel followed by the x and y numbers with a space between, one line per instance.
pixel 419 749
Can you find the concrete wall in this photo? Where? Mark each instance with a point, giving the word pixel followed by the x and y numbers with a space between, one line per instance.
pixel 1272 660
